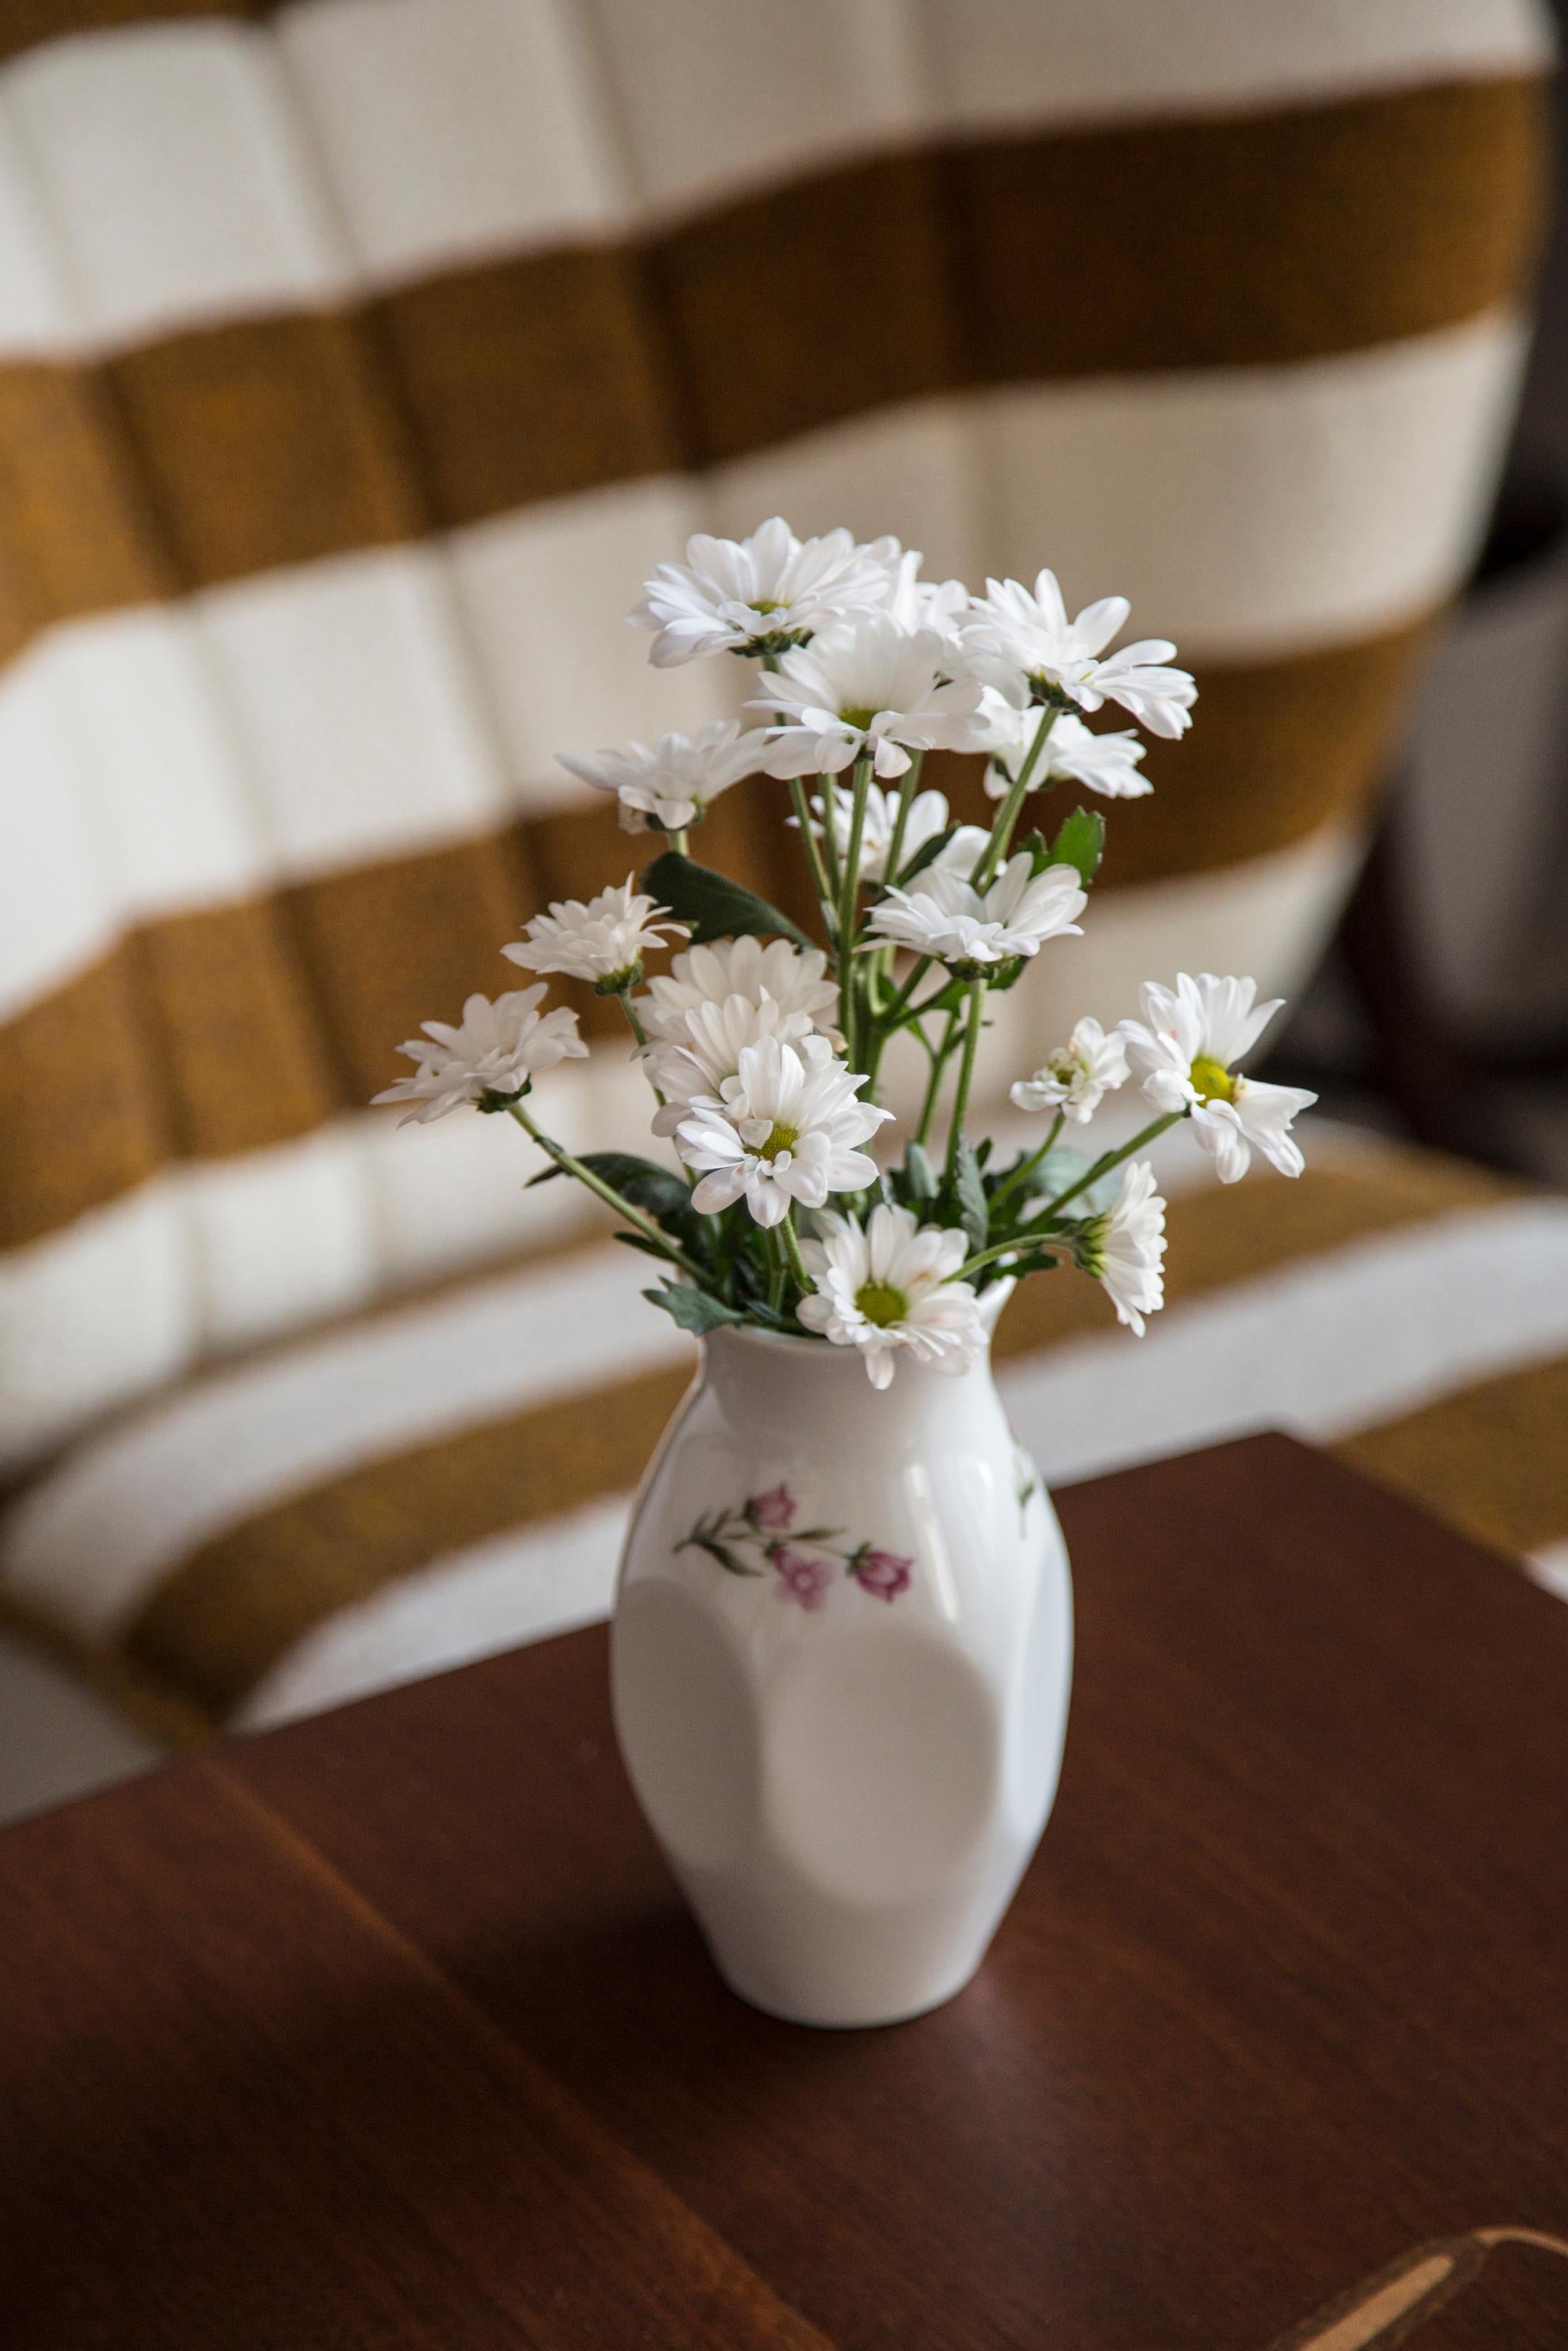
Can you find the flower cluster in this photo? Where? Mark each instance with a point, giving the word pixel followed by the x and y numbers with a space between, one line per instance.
pixel 759 1535
pixel 781 1203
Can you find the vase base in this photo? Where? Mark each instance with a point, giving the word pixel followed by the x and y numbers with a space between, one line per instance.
pixel 825 2018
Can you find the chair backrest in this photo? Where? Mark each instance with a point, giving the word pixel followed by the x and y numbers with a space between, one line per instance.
pixel 357 359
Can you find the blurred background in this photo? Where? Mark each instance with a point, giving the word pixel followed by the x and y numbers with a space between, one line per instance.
pixel 358 359
pixel 1441 1008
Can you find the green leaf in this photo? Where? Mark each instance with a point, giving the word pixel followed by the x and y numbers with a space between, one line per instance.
pixel 926 854
pixel 919 1173
pixel 974 1208
pixel 713 906
pixel 953 999
pixel 693 1309
pixel 1080 842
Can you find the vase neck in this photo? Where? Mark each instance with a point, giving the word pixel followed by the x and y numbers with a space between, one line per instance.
pixel 766 1381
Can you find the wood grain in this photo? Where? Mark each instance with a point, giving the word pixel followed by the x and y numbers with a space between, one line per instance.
pixel 389 2028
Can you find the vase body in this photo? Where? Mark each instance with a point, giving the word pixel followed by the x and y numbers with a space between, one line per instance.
pixel 840 1661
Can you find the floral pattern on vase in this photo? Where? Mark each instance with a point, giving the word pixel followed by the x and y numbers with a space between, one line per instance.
pixel 760 1534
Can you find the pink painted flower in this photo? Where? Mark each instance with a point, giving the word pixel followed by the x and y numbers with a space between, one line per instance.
pixel 774 1510
pixel 882 1572
pixel 804 1579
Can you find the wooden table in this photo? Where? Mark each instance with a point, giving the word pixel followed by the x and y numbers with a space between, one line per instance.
pixel 388 2030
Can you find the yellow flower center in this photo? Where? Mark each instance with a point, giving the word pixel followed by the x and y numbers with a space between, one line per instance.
pixel 766 604
pixel 881 1304
pixel 1211 1080
pixel 857 715
pixel 783 1138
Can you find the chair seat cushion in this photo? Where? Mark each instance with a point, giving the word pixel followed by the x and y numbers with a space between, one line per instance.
pixel 425 1483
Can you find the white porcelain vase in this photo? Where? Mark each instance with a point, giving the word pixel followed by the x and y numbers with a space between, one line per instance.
pixel 842 1655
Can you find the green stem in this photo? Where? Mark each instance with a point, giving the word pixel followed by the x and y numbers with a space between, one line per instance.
pixel 1025 1167
pixel 827 793
pixel 792 1251
pixel 608 1193
pixel 938 1064
pixel 893 1012
pixel 677 841
pixel 996 848
pixel 776 1266
pixel 1111 1159
pixel 624 997
pixel 849 909
pixel 910 787
pixel 814 851
pixel 965 1074
pixel 1024 1240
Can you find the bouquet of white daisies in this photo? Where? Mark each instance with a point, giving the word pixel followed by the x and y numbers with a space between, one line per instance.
pixel 786 1202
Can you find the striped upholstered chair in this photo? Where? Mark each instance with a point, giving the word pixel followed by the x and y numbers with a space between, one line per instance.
pixel 359 358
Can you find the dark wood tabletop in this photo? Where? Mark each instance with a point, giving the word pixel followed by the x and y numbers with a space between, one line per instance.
pixel 389 2030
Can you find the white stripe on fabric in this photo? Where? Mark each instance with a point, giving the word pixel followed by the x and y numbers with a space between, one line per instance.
pixel 1011 64
pixel 204 1258
pixel 1549 1569
pixel 165 162
pixel 58 906
pixel 94 1538
pixel 1339 1342
pixel 452 134
pixel 517 1587
pixel 377 704
pixel 545 593
pixel 186 172
pixel 349 690
pixel 1297 505
pixel 92 1316
pixel 1375 470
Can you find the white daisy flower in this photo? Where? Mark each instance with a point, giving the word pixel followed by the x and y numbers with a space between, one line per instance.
pixel 888 1285
pixel 928 817
pixel 943 915
pixel 668 785
pixel 693 1056
pixel 1123 1246
pixel 795 979
pixel 759 594
pixel 963 852
pixel 1078 1076
pixel 1183 1049
pixel 865 688
pixel 499 1050
pixel 783 1128
pixel 1106 763
pixel 602 941
pixel 1019 635
pixel 940 605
